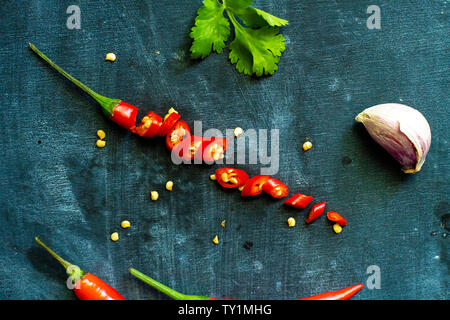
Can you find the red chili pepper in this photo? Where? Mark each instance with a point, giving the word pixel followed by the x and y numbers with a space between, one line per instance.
pixel 214 149
pixel 178 133
pixel 316 211
pixel 299 201
pixel 343 294
pixel 120 112
pixel 88 286
pixel 231 178
pixel 168 124
pixel 253 187
pixel 275 188
pixel 149 125
pixel 336 217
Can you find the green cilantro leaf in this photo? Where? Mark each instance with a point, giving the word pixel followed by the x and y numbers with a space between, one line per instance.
pixel 257 46
pixel 211 30
pixel 256 51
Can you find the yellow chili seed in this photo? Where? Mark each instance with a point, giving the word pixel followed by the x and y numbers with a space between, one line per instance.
pixel 215 240
pixel 154 195
pixel 101 143
pixel 169 185
pixel 307 145
pixel 125 224
pixel 101 134
pixel 241 188
pixel 238 131
pixel 110 57
pixel 337 228
pixel 213 177
pixel 114 236
pixel 291 222
pixel 222 224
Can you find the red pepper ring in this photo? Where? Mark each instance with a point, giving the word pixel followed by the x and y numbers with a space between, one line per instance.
pixel 214 149
pixel 189 148
pixel 315 212
pixel 124 114
pixel 253 187
pixel 336 217
pixel 149 125
pixel 231 178
pixel 299 201
pixel 275 188
pixel 168 123
pixel 178 133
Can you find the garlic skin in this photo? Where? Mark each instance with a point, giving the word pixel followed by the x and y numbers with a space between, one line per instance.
pixel 400 130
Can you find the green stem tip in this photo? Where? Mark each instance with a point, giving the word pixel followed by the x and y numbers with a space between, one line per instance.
pixel 106 103
pixel 165 289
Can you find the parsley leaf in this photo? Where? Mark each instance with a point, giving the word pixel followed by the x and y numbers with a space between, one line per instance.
pixel 257 46
pixel 211 30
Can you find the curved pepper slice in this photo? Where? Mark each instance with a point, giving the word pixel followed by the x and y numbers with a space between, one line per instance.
pixel 231 178
pixel 253 187
pixel 214 149
pixel 315 212
pixel 189 148
pixel 299 201
pixel 168 124
pixel 149 125
pixel 275 188
pixel 124 114
pixel 336 217
pixel 178 133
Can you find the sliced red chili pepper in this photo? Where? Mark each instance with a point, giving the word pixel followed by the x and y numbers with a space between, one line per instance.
pixel 299 201
pixel 253 187
pixel 214 149
pixel 343 294
pixel 189 148
pixel 275 188
pixel 149 125
pixel 124 114
pixel 178 133
pixel 168 123
pixel 231 178
pixel 315 212
pixel 336 217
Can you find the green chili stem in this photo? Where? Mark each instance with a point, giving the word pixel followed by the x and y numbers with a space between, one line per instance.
pixel 164 289
pixel 107 104
pixel 63 262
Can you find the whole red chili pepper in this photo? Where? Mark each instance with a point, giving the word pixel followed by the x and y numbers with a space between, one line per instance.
pixel 299 201
pixel 336 217
pixel 343 294
pixel 316 211
pixel 120 112
pixel 89 286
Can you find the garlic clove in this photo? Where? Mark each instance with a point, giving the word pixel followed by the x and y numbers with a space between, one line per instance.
pixel 400 130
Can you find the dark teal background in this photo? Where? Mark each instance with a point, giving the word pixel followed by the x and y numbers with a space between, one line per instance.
pixel 56 184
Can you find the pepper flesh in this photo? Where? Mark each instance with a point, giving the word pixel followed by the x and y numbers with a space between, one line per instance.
pixel 253 187
pixel 343 294
pixel 89 286
pixel 149 125
pixel 231 177
pixel 315 212
pixel 120 112
pixel 299 201
pixel 177 134
pixel 275 188
pixel 336 217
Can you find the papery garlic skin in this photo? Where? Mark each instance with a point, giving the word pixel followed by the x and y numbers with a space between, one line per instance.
pixel 400 130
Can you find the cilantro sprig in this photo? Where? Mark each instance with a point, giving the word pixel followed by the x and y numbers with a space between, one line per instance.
pixel 257 46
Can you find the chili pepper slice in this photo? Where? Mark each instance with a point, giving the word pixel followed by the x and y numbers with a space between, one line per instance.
pixel 253 187
pixel 275 188
pixel 214 149
pixel 89 286
pixel 343 294
pixel 315 212
pixel 178 133
pixel 149 125
pixel 168 124
pixel 231 178
pixel 120 112
pixel 336 217
pixel 299 201
pixel 189 148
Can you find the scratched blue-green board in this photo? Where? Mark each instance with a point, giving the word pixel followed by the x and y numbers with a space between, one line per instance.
pixel 56 184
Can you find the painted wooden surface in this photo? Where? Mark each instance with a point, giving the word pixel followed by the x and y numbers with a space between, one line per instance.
pixel 55 183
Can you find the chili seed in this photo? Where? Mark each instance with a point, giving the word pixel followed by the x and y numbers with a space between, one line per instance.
pixel 125 224
pixel 307 145
pixel 114 236
pixel 110 57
